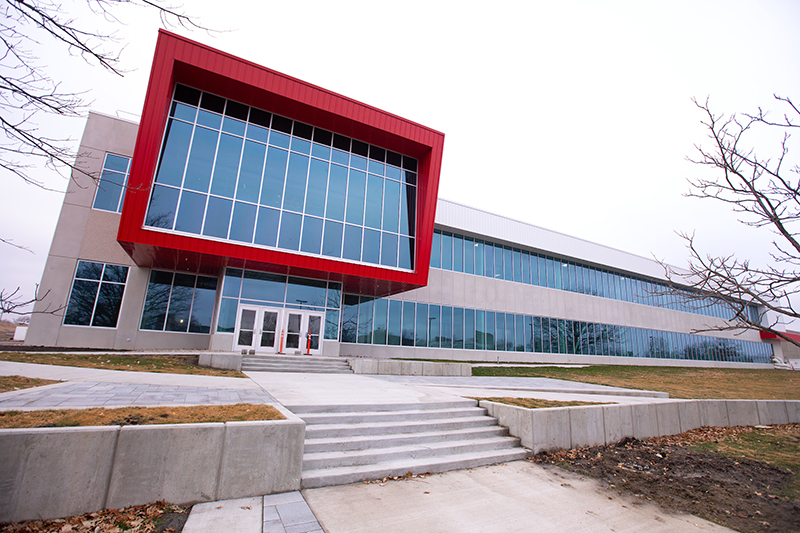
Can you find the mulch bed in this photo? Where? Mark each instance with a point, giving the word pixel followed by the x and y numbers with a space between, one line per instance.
pixel 737 493
pixel 157 517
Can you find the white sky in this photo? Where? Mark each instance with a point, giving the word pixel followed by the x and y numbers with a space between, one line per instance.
pixel 571 115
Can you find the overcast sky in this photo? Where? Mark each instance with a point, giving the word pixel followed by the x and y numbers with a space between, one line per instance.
pixel 573 115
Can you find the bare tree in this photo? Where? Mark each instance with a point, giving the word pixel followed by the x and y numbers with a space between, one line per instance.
pixel 14 303
pixel 764 191
pixel 28 91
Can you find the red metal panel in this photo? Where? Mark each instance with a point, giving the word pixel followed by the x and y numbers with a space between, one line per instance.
pixel 767 335
pixel 179 60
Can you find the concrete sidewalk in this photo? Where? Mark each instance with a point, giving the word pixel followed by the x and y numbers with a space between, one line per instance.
pixel 515 497
pixel 509 498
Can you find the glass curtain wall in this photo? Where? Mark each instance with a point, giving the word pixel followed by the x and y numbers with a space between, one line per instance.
pixel 483 258
pixel 381 321
pixel 237 173
pixel 262 288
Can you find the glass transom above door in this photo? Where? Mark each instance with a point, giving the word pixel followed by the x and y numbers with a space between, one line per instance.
pixel 270 330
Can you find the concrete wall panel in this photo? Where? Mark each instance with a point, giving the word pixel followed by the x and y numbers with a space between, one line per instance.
pixel 586 426
pixel 551 429
pixel 689 413
pixel 793 411
pixel 645 420
pixel 617 422
pixel 49 473
pixel 177 463
pixel 742 412
pixel 772 412
pixel 261 458
pixel 669 422
pixel 713 413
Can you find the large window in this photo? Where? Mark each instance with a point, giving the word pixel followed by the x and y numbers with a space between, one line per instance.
pixel 364 320
pixel 111 187
pixel 96 295
pixel 177 301
pixel 233 172
pixel 483 258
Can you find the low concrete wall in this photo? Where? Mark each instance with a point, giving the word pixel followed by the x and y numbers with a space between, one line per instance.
pixel 50 473
pixel 223 361
pixel 575 427
pixel 393 367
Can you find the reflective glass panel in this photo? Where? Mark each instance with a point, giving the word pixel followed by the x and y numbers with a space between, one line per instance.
pixel 395 321
pixel 290 231
pixel 421 329
pixel 332 240
pixel 434 321
pixel 408 323
pixel 226 168
pixel 312 235
pixel 267 227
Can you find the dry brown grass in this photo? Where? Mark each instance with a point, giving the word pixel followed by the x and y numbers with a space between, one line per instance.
pixel 138 416
pixel 679 382
pixel 12 383
pixel 535 403
pixel 7 330
pixel 164 363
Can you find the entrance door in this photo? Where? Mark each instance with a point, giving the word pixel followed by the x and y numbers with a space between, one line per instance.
pixel 257 329
pixel 270 330
pixel 303 332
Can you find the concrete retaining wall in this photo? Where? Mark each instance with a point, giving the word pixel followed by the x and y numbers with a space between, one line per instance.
pixel 575 427
pixel 50 473
pixel 223 361
pixel 393 367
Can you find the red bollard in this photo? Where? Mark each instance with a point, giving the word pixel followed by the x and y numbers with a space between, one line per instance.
pixel 280 350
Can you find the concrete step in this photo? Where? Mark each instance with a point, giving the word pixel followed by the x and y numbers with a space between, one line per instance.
pixel 390 416
pixel 352 474
pixel 371 442
pixel 301 409
pixel 391 428
pixel 295 369
pixel 299 363
pixel 338 459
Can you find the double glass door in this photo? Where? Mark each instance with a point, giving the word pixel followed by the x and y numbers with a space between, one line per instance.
pixel 272 330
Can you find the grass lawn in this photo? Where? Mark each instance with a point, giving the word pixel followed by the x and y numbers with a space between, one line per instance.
pixel 535 403
pixel 166 363
pixel 124 416
pixel 778 446
pixel 12 383
pixel 679 382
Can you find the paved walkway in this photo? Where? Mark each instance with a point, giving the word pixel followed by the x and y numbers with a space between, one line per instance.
pixel 276 513
pixel 518 496
pixel 86 394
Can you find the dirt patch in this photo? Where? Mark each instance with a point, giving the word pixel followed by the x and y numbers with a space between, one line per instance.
pixel 165 363
pixel 158 517
pixel 12 383
pixel 131 416
pixel 535 403
pixel 737 492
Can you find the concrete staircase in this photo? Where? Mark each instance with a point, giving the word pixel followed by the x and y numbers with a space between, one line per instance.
pixel 351 443
pixel 295 363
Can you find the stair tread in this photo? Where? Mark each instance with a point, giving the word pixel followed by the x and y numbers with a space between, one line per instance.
pixel 421 465
pixel 301 409
pixel 479 411
pixel 510 441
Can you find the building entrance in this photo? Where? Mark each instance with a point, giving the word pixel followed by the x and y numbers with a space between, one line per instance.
pixel 271 330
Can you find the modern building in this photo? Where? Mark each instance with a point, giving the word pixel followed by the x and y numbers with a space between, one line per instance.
pixel 252 212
